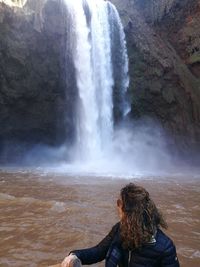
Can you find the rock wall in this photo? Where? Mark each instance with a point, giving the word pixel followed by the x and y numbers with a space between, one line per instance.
pixel 164 53
pixel 33 99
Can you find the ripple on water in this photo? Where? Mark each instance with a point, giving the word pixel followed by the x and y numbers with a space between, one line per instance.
pixel 41 221
pixel 196 254
pixel 58 206
pixel 4 196
pixel 189 252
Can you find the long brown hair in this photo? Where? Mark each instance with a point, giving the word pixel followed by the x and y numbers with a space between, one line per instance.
pixel 140 216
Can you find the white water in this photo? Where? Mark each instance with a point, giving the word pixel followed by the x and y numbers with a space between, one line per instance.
pixel 102 70
pixel 14 3
pixel 119 58
pixel 88 135
pixel 93 22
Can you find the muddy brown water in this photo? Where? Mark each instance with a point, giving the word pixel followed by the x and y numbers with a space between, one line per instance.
pixel 44 217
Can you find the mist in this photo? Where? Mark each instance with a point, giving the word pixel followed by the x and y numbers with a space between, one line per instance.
pixel 137 149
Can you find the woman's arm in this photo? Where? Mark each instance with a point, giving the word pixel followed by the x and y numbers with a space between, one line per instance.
pixel 97 253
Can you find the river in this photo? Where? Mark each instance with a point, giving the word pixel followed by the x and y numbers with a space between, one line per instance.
pixel 44 216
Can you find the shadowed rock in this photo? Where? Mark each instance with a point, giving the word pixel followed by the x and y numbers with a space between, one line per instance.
pixel 163 42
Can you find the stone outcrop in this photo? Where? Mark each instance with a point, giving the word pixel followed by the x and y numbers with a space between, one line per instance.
pixel 163 40
pixel 33 100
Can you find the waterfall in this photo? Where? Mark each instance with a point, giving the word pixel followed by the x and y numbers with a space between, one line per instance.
pixel 101 66
pixel 119 62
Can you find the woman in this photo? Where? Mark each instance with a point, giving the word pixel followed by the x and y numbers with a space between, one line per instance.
pixel 136 241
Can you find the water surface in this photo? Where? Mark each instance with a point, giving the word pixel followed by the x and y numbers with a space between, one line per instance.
pixel 44 217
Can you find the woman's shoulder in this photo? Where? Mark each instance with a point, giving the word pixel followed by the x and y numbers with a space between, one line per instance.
pixel 114 230
pixel 163 241
pixel 116 227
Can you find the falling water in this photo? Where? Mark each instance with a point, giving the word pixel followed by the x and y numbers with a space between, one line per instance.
pixel 96 26
pixel 119 61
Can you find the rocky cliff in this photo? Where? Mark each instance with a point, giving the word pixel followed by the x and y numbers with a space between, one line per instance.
pixel 33 98
pixel 163 40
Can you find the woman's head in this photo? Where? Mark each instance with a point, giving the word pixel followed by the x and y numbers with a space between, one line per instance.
pixel 139 216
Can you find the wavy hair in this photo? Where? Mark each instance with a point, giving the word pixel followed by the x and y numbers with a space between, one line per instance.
pixel 140 217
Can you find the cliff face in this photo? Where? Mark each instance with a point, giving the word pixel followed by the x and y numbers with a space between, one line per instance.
pixel 33 100
pixel 163 40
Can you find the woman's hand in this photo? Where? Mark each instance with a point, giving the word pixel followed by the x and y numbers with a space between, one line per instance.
pixel 71 261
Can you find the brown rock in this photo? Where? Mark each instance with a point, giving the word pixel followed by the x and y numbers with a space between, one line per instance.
pixel 168 42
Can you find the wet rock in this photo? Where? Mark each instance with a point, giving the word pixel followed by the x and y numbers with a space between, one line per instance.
pixel 33 79
pixel 168 95
pixel 163 39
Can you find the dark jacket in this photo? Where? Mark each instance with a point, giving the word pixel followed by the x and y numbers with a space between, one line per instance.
pixel 162 253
